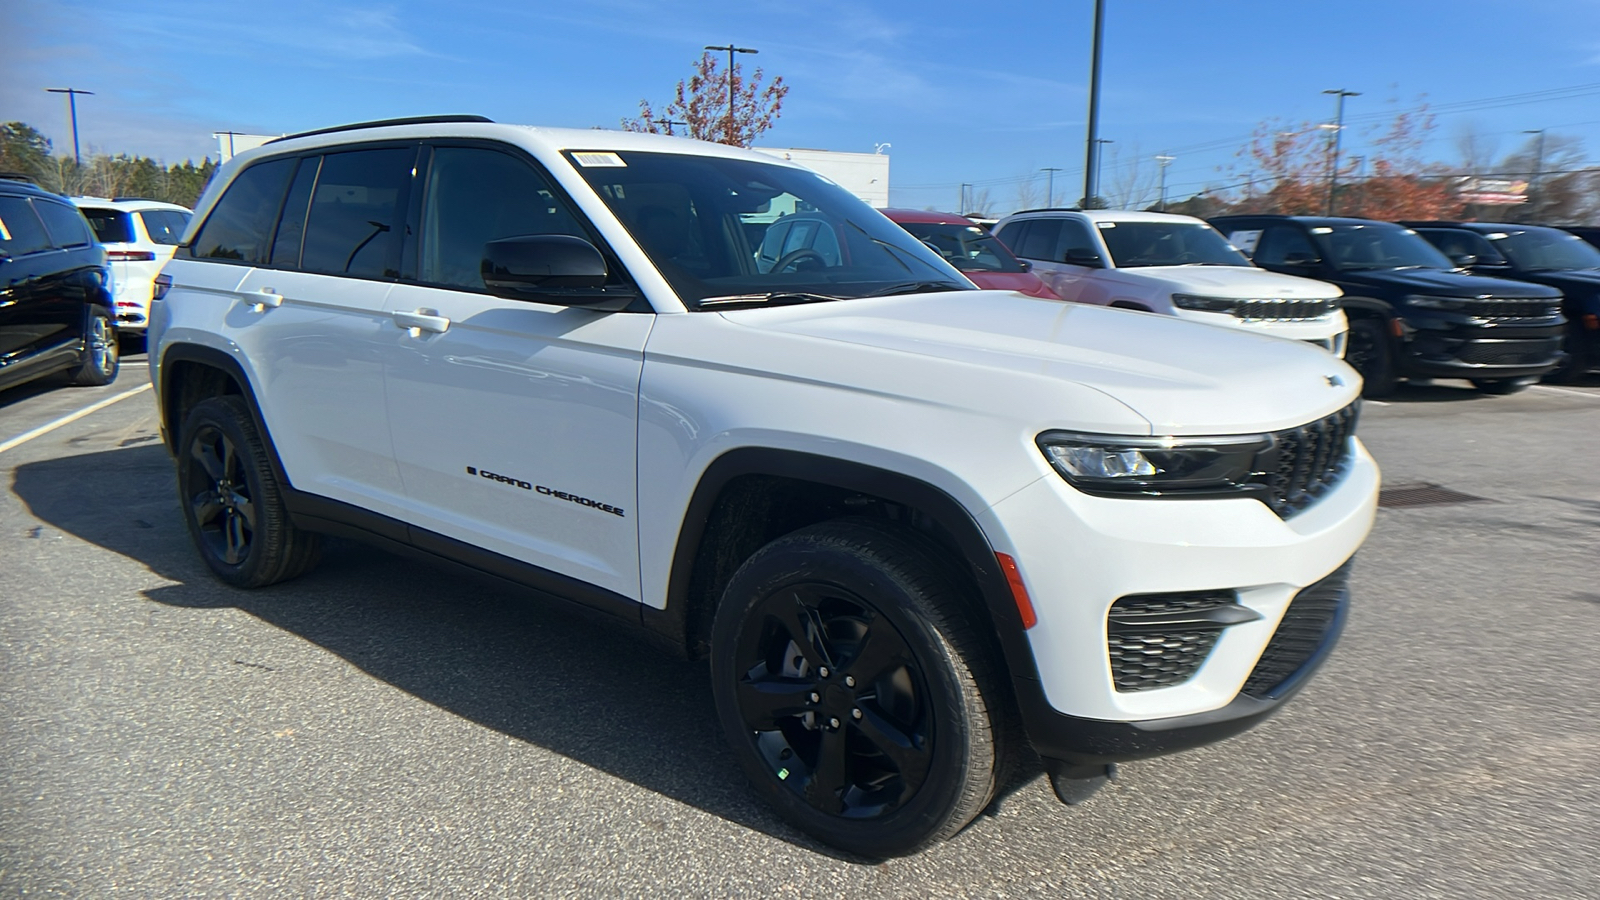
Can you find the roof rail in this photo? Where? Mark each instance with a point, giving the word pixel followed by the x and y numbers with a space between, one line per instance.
pixel 18 176
pixel 145 199
pixel 382 123
pixel 1050 209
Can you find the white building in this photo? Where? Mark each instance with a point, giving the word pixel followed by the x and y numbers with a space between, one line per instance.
pixel 864 174
pixel 230 143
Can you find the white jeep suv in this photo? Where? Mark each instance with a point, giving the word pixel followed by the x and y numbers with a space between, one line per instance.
pixel 1171 264
pixel 910 523
pixel 139 236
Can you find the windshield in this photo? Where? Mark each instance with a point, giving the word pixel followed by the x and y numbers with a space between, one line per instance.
pixel 967 247
pixel 1546 248
pixel 732 229
pixel 1136 244
pixel 1378 245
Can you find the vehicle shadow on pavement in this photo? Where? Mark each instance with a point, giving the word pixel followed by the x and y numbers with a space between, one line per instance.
pixel 492 654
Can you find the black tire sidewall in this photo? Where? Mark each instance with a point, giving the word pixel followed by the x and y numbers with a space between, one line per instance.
pixel 225 414
pixel 1378 378
pixel 803 558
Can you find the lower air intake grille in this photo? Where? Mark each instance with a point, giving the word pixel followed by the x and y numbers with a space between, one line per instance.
pixel 1508 353
pixel 1310 624
pixel 1149 650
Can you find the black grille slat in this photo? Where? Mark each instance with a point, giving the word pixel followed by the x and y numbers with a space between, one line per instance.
pixel 1305 462
pixel 1312 619
pixel 1146 656
pixel 1283 310
pixel 1511 309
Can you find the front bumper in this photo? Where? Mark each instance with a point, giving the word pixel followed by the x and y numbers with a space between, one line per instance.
pixel 1454 346
pixel 1078 555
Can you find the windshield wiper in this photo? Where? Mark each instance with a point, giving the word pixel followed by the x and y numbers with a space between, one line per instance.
pixel 916 287
pixel 770 298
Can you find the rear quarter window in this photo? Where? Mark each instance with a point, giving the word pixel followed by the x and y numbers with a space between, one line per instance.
pixel 240 227
pixel 64 223
pixel 21 232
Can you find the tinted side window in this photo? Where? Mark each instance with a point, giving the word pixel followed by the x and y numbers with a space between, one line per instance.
pixel 292 226
pixel 1014 234
pixel 65 224
pixel 110 226
pixel 1455 242
pixel 21 232
pixel 1282 243
pixel 474 196
pixel 1075 235
pixel 1041 240
pixel 357 213
pixel 164 226
pixel 241 225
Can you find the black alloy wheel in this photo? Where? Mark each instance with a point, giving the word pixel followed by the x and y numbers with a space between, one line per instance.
pixel 1368 352
pixel 231 499
pixel 100 360
pixel 858 698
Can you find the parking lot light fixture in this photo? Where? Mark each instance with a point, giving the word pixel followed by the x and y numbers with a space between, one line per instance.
pixel 1051 189
pixel 72 104
pixel 1338 129
pixel 1165 160
pixel 731 51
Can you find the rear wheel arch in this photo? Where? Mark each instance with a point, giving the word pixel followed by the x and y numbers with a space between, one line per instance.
pixel 191 373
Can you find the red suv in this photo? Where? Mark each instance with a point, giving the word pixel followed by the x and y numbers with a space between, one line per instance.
pixel 978 254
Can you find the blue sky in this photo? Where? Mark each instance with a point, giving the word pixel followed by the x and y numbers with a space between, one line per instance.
pixel 962 92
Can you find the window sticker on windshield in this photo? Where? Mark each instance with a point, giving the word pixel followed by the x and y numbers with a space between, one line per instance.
pixel 1105 224
pixel 599 160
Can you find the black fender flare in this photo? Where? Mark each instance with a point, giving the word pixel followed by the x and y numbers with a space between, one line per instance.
pixel 166 400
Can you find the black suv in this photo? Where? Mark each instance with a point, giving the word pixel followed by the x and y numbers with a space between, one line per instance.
pixel 55 297
pixel 1548 256
pixel 1412 311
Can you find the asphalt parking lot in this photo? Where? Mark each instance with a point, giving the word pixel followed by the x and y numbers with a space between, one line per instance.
pixel 382 728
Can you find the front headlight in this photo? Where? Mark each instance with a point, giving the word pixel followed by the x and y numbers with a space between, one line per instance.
pixel 1104 463
pixel 1430 302
pixel 1204 304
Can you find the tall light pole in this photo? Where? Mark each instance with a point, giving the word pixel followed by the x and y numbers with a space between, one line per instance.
pixel 1338 132
pixel 72 104
pixel 1165 161
pixel 1538 170
pixel 1051 190
pixel 1091 167
pixel 731 51
pixel 962 206
pixel 1095 187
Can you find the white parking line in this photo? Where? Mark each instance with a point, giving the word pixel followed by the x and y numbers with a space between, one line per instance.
pixel 1555 390
pixel 70 418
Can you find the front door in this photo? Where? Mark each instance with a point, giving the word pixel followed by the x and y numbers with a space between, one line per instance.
pixel 515 422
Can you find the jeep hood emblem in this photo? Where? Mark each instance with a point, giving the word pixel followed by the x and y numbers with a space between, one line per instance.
pixel 1334 381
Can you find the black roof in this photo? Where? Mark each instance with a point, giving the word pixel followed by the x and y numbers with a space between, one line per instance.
pixel 382 123
pixel 1480 227
pixel 1307 220
pixel 15 186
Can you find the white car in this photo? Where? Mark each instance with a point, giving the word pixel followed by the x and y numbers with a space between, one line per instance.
pixel 139 237
pixel 1171 264
pixel 911 523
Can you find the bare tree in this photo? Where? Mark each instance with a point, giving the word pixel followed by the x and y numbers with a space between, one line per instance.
pixel 700 106
pixel 1131 180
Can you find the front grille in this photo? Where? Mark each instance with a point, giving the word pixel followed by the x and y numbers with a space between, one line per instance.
pixel 1508 353
pixel 1495 309
pixel 1309 626
pixel 1152 653
pixel 1305 462
pixel 1283 310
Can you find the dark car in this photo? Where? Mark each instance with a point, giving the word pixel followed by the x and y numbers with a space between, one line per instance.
pixel 1412 312
pixel 1548 256
pixel 56 309
pixel 1590 233
pixel 969 247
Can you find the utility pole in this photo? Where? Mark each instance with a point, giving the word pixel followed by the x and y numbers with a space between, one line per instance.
pixel 962 206
pixel 1091 168
pixel 1534 194
pixel 1338 132
pixel 1051 190
pixel 72 104
pixel 1165 161
pixel 1095 187
pixel 731 51
pixel 669 123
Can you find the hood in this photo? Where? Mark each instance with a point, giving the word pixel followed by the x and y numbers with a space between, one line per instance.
pixel 1026 282
pixel 1446 283
pixel 1233 282
pixel 1017 353
pixel 1575 283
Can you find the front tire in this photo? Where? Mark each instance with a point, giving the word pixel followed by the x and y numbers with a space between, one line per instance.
pixel 232 502
pixel 1368 352
pixel 856 693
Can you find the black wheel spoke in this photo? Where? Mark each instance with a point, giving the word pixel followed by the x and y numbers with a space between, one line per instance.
pixel 879 652
pixel 246 511
pixel 905 753
pixel 765 700
pixel 206 454
pixel 238 543
pixel 825 788
pixel 206 505
pixel 230 462
pixel 806 631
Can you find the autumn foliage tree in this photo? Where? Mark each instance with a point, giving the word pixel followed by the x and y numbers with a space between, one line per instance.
pixel 699 107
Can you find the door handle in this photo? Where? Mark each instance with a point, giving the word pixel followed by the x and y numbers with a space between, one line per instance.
pixel 264 298
pixel 422 320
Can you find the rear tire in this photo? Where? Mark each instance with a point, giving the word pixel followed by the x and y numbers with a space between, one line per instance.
pixel 1368 352
pixel 858 697
pixel 233 503
pixel 99 362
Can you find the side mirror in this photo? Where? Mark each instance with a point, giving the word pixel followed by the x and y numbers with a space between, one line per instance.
pixel 1082 256
pixel 550 268
pixel 1464 260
